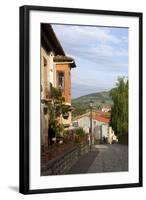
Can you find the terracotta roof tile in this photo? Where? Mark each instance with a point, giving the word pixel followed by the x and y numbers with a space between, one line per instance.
pixel 61 58
pixel 101 119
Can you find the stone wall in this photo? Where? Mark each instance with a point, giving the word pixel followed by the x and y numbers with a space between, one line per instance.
pixel 63 163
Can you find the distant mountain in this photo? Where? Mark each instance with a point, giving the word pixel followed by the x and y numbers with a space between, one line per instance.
pixel 81 104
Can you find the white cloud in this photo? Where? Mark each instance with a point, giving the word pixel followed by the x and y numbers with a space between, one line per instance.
pixel 96 44
pixel 101 55
pixel 78 33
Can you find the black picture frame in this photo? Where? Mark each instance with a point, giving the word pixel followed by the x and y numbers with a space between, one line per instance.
pixel 25 105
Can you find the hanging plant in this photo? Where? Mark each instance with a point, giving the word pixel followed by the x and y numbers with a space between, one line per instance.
pixel 65 112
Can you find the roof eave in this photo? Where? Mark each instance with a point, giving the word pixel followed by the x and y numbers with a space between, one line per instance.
pixel 48 35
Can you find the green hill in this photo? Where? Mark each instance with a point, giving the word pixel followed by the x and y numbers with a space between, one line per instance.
pixel 81 104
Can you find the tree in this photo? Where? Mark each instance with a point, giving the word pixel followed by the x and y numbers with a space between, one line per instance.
pixel 81 136
pixel 119 111
pixel 98 106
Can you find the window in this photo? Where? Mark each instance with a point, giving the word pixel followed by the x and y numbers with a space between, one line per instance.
pixel 45 110
pixel 75 124
pixel 45 61
pixel 60 80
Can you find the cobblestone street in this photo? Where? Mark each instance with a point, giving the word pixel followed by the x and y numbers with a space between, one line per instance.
pixel 103 158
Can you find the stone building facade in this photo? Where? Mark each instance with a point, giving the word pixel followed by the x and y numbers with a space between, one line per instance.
pixel 55 69
pixel 63 66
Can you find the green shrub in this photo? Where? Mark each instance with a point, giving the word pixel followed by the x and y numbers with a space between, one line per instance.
pixel 80 132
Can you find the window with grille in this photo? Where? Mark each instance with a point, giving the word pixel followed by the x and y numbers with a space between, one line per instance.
pixel 60 80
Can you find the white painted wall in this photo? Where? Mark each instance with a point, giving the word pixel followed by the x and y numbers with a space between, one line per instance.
pixel 44 73
pixel 105 130
pixel 84 122
pixel 51 69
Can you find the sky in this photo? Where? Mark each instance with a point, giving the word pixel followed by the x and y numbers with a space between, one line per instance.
pixel 100 53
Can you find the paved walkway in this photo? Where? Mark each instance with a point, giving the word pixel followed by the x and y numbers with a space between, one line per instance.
pixel 111 158
pixel 103 158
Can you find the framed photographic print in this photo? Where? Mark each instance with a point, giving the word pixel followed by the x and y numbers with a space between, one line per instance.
pixel 80 99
